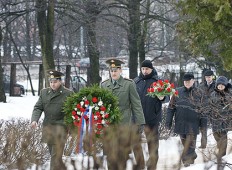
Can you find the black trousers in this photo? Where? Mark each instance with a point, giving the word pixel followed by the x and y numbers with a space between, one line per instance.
pixel 152 134
pixel 189 143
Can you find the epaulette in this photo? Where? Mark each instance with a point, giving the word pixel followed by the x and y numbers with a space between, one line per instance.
pixel 104 81
pixel 128 79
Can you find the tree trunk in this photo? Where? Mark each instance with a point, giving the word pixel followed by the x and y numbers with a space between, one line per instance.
pixel 143 37
pixel 133 34
pixel 46 31
pixel 93 73
pixel 2 93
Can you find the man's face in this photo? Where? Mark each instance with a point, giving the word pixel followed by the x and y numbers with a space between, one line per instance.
pixel 55 84
pixel 189 83
pixel 208 79
pixel 146 70
pixel 115 73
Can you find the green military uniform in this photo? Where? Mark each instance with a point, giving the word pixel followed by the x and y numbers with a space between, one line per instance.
pixel 129 101
pixel 54 131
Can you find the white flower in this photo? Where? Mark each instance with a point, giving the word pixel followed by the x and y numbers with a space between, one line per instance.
pixel 96 108
pixel 102 112
pixel 78 113
pixel 73 117
pixel 100 103
pixel 95 117
pixel 75 109
pixel 82 103
pixel 103 122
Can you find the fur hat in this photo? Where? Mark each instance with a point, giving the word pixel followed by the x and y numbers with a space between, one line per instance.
pixel 188 76
pixel 222 80
pixel 147 63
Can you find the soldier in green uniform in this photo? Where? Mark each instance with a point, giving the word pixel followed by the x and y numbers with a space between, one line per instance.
pixel 54 131
pixel 129 103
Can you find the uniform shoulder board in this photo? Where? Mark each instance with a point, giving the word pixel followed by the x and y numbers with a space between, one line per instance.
pixel 128 79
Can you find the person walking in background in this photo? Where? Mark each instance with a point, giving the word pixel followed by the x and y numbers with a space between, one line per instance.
pixel 187 120
pixel 221 113
pixel 152 109
pixel 129 103
pixel 207 87
pixel 54 131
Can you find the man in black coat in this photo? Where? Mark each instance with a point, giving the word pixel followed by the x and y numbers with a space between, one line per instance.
pixel 207 88
pixel 187 120
pixel 152 109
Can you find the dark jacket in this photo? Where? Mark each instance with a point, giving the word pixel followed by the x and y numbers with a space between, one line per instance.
pixel 221 109
pixel 129 101
pixel 207 90
pixel 184 110
pixel 52 105
pixel 152 107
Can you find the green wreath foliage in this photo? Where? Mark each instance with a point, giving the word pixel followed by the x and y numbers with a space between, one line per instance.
pixel 109 100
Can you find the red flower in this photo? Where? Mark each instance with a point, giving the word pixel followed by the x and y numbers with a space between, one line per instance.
pixel 106 116
pixel 99 126
pixel 168 90
pixel 176 93
pixel 98 114
pixel 159 89
pixel 74 112
pixel 103 108
pixel 172 85
pixel 76 117
pixel 76 123
pixel 154 84
pixel 78 105
pixel 98 132
pixel 82 109
pixel 166 81
pixel 160 82
pixel 86 102
pixel 94 100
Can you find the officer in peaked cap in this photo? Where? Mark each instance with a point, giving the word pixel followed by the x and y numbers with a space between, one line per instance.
pixel 114 63
pixel 54 75
pixel 129 103
pixel 54 132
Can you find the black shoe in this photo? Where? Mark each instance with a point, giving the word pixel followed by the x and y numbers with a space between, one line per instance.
pixel 186 164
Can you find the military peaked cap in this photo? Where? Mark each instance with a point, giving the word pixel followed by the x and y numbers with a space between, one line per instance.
pixel 114 63
pixel 54 75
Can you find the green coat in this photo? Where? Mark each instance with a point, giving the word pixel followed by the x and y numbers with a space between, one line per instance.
pixel 51 103
pixel 129 101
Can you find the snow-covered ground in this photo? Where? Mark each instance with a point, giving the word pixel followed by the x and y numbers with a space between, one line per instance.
pixel 169 150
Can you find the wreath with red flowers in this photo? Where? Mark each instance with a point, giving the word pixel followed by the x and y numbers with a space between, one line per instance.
pixel 95 106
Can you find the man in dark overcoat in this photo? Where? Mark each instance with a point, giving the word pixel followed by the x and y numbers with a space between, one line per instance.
pixel 152 109
pixel 184 110
pixel 207 88
pixel 129 103
pixel 54 131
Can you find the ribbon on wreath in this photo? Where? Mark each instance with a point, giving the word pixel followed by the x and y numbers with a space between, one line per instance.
pixel 82 126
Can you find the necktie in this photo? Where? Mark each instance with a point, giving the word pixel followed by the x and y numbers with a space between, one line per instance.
pixel 115 83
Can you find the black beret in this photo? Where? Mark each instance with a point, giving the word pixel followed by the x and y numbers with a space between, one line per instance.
pixel 54 75
pixel 208 73
pixel 147 63
pixel 188 76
